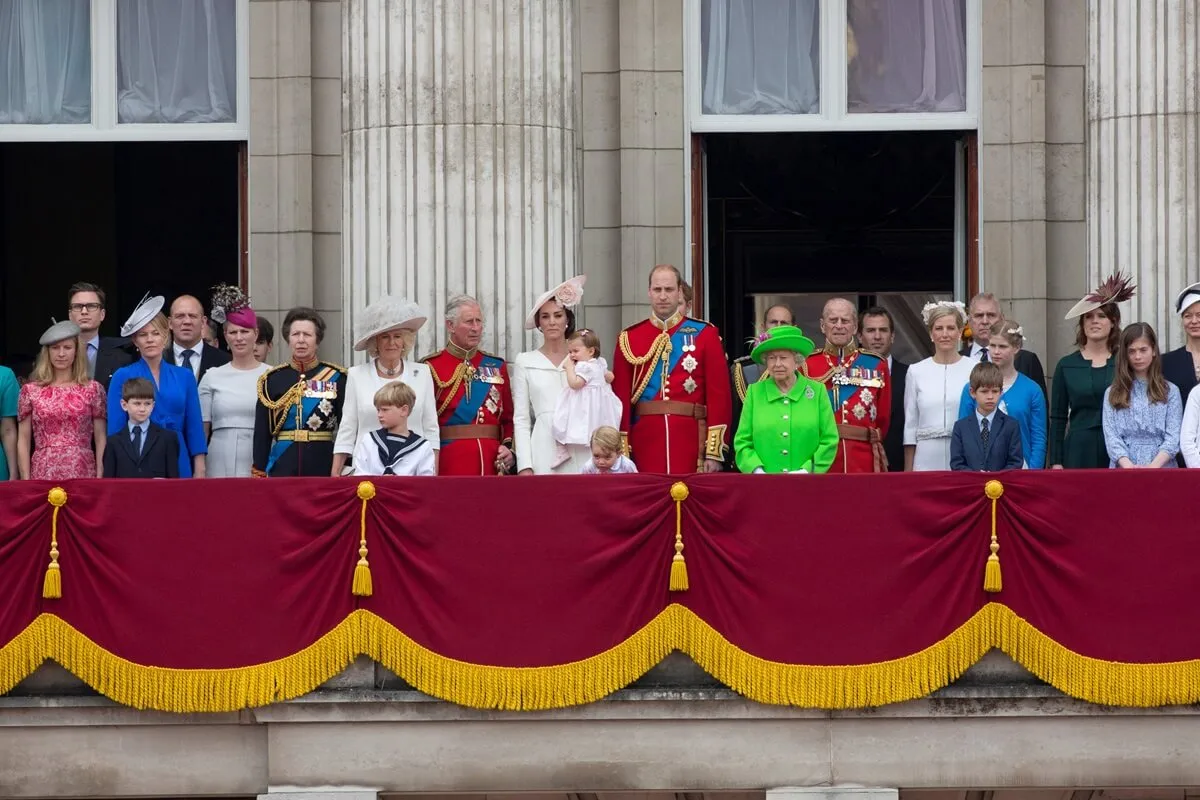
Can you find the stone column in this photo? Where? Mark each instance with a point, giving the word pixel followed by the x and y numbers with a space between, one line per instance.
pixel 1143 194
pixel 459 157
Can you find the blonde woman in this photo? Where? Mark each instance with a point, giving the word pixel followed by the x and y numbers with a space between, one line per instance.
pixel 933 389
pixel 60 412
pixel 386 331
pixel 176 398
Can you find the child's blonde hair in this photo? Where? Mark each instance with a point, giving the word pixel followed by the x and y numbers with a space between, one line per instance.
pixel 589 339
pixel 1010 331
pixel 395 394
pixel 607 438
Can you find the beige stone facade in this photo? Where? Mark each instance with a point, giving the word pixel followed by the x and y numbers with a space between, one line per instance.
pixel 335 230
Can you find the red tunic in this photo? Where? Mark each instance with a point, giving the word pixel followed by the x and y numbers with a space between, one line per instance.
pixel 860 390
pixel 471 392
pixel 697 374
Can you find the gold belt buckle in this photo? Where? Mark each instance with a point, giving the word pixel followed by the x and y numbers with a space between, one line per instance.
pixel 301 436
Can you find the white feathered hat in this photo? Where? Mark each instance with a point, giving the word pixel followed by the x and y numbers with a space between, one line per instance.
pixel 567 294
pixel 146 310
pixel 385 314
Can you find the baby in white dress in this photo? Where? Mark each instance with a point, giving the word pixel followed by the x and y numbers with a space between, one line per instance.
pixel 588 401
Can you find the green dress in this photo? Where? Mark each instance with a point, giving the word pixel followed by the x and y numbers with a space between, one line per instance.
pixel 786 432
pixel 1076 413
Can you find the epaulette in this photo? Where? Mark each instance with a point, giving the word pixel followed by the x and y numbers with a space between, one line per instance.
pixel 865 352
pixel 338 367
pixel 743 360
pixel 276 368
pixel 428 358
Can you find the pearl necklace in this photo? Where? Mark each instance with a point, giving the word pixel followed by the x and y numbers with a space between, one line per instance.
pixel 389 373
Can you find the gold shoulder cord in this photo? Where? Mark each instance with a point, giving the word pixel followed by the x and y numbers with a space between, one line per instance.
pixel 739 380
pixel 643 366
pixel 451 385
pixel 278 408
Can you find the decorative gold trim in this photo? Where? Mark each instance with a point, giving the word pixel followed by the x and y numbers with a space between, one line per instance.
pixel 714 446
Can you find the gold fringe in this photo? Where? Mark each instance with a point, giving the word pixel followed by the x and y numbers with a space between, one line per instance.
pixel 52 583
pixel 588 680
pixel 679 575
pixel 361 585
pixel 993 581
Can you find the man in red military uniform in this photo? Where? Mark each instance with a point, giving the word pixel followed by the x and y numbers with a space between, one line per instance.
pixel 860 390
pixel 673 382
pixel 474 397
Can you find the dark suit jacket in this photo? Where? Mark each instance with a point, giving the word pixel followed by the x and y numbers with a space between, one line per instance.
pixel 893 443
pixel 159 459
pixel 111 355
pixel 1029 365
pixel 1004 445
pixel 1177 368
pixel 209 357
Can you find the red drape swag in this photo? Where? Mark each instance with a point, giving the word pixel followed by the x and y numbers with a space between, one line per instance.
pixel 825 571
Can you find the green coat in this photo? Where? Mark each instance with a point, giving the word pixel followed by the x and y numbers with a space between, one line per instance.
pixel 786 433
pixel 1076 406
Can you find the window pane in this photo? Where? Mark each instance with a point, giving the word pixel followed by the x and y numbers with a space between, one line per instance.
pixel 760 56
pixel 176 60
pixel 907 55
pixel 45 62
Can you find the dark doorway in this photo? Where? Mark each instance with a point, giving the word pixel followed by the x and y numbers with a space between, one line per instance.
pixel 805 216
pixel 137 217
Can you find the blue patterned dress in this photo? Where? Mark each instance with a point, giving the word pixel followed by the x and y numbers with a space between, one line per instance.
pixel 1144 429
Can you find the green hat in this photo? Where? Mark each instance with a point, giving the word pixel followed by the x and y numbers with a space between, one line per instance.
pixel 782 337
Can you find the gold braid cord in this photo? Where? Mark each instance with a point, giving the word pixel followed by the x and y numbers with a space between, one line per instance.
pixel 451 385
pixel 279 408
pixel 643 366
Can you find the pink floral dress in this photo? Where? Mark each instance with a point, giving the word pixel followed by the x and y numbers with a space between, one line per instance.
pixel 62 428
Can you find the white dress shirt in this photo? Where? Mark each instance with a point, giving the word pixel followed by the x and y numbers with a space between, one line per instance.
pixel 197 348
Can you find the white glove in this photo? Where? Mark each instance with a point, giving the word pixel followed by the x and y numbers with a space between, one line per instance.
pixel 759 471
pixel 798 472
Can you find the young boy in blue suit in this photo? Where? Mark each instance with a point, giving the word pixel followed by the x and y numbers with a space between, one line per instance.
pixel 987 440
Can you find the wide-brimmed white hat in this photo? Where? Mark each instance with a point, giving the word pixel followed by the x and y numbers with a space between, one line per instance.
pixel 385 314
pixel 1117 289
pixel 1188 296
pixel 59 332
pixel 567 294
pixel 146 310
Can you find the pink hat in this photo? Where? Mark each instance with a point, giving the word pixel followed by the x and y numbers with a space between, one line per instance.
pixel 229 304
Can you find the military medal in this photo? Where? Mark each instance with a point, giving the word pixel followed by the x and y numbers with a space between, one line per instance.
pixel 689 362
pixel 689 385
pixel 808 393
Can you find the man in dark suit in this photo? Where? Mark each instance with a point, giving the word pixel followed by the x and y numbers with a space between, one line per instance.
pixel 141 449
pixel 987 440
pixel 187 338
pixel 985 312
pixel 86 308
pixel 877 332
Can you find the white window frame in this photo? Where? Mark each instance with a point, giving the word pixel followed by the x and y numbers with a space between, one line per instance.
pixel 104 126
pixel 833 114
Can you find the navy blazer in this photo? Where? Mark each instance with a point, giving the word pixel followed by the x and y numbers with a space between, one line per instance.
pixel 111 355
pixel 893 443
pixel 159 458
pixel 1177 368
pixel 1004 445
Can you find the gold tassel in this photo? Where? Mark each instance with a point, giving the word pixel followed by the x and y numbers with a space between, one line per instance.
pixel 362 570
pixel 992 581
pixel 679 575
pixel 52 583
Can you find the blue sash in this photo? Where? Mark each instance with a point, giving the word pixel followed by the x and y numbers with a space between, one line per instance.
pixel 307 406
pixel 467 411
pixel 847 392
pixel 678 338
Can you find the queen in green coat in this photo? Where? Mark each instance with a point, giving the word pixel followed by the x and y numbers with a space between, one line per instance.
pixel 787 420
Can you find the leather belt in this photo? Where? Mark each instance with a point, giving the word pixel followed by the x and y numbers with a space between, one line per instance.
pixel 450 433
pixel 305 436
pixel 675 408
pixel 671 407
pixel 857 433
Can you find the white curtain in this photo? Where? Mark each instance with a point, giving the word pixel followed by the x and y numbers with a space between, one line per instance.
pixel 761 56
pixel 176 61
pixel 907 55
pixel 45 62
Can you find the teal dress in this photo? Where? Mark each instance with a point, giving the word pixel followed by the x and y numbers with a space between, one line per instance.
pixel 1077 413
pixel 9 390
